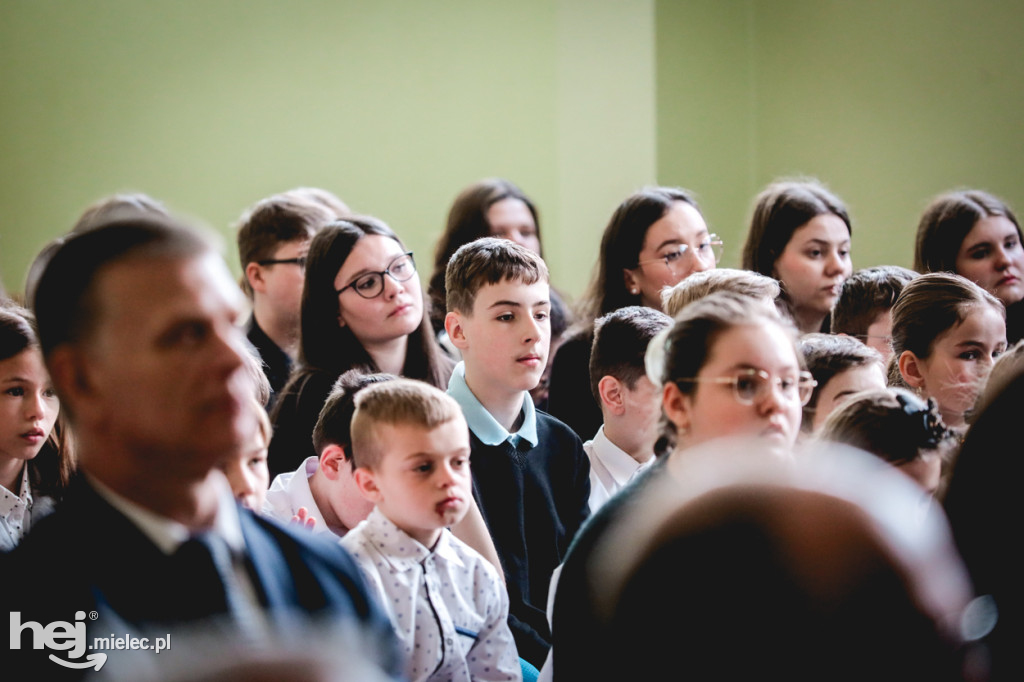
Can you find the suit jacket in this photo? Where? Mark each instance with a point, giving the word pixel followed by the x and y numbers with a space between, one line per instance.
pixel 88 557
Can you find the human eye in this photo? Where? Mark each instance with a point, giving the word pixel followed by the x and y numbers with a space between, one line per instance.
pixel 400 266
pixel 15 391
pixel 788 385
pixel 813 253
pixel 48 392
pixel 505 317
pixel 970 355
pixel 189 333
pixel 541 315
pixel 674 255
pixel 979 253
pixel 366 283
pixel 1011 243
pixel 423 468
pixel 747 386
pixel 460 462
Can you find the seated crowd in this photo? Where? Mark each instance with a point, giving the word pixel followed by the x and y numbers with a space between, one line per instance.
pixel 330 472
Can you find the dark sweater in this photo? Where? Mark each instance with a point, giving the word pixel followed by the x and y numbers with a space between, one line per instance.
pixel 276 363
pixel 533 501
pixel 576 637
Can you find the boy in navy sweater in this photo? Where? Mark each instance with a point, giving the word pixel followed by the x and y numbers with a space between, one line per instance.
pixel 530 474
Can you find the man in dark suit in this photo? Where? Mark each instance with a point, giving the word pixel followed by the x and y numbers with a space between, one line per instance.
pixel 137 321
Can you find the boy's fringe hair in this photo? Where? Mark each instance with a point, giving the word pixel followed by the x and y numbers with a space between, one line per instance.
pixel 488 261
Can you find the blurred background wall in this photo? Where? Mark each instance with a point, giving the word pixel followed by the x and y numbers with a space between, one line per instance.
pixel 396 105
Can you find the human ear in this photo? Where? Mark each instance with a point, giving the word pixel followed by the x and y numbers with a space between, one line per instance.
pixel 629 279
pixel 678 407
pixel 254 275
pixel 610 391
pixel 910 369
pixel 71 378
pixel 367 485
pixel 456 331
pixel 332 459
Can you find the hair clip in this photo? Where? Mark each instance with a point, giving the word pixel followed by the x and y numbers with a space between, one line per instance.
pixel 925 413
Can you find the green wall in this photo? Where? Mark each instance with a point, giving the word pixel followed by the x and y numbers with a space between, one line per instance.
pixel 889 103
pixel 394 105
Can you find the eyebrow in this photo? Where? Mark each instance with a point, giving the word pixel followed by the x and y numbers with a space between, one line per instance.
pixel 516 304
pixel 826 242
pixel 702 233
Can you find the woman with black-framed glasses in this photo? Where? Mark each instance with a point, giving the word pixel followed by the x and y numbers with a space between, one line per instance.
pixel 362 308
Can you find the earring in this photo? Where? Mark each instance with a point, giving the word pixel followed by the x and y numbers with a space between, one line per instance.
pixel 634 291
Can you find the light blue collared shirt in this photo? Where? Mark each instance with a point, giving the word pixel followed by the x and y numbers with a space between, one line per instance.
pixel 481 423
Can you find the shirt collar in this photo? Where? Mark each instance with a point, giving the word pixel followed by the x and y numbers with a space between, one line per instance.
pixel 9 499
pixel 481 423
pixel 168 534
pixel 617 461
pixel 399 549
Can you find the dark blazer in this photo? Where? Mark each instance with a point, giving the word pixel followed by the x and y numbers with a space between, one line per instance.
pixel 88 557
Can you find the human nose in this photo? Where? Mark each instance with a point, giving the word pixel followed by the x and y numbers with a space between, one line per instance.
pixel 835 263
pixel 771 397
pixel 34 407
pixel 445 475
pixel 392 287
pixel 1002 259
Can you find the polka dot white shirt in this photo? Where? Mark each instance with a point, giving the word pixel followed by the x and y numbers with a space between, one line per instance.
pixel 448 606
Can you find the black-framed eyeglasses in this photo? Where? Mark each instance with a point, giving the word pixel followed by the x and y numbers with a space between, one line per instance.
pixel 371 284
pixel 708 251
pixel 300 261
pixel 752 385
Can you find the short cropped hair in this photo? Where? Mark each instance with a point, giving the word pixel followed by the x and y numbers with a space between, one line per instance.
pixel 65 301
pixel 488 261
pixel 865 295
pixel 620 344
pixel 399 402
pixel 334 425
pixel 276 220
pixel 700 284
pixel 893 424
pixel 826 356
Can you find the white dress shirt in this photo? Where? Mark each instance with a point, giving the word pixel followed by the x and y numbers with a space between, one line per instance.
pixel 448 605
pixel 611 468
pixel 290 490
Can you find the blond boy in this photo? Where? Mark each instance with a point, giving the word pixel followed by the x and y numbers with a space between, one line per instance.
pixel 447 603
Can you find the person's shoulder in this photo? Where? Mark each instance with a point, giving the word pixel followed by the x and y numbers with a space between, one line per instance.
pixel 550 428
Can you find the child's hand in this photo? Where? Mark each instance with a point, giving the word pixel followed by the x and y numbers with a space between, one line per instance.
pixel 303 519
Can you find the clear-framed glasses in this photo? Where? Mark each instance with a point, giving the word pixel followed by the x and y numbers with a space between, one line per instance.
pixel 708 251
pixel 371 284
pixel 300 261
pixel 752 385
